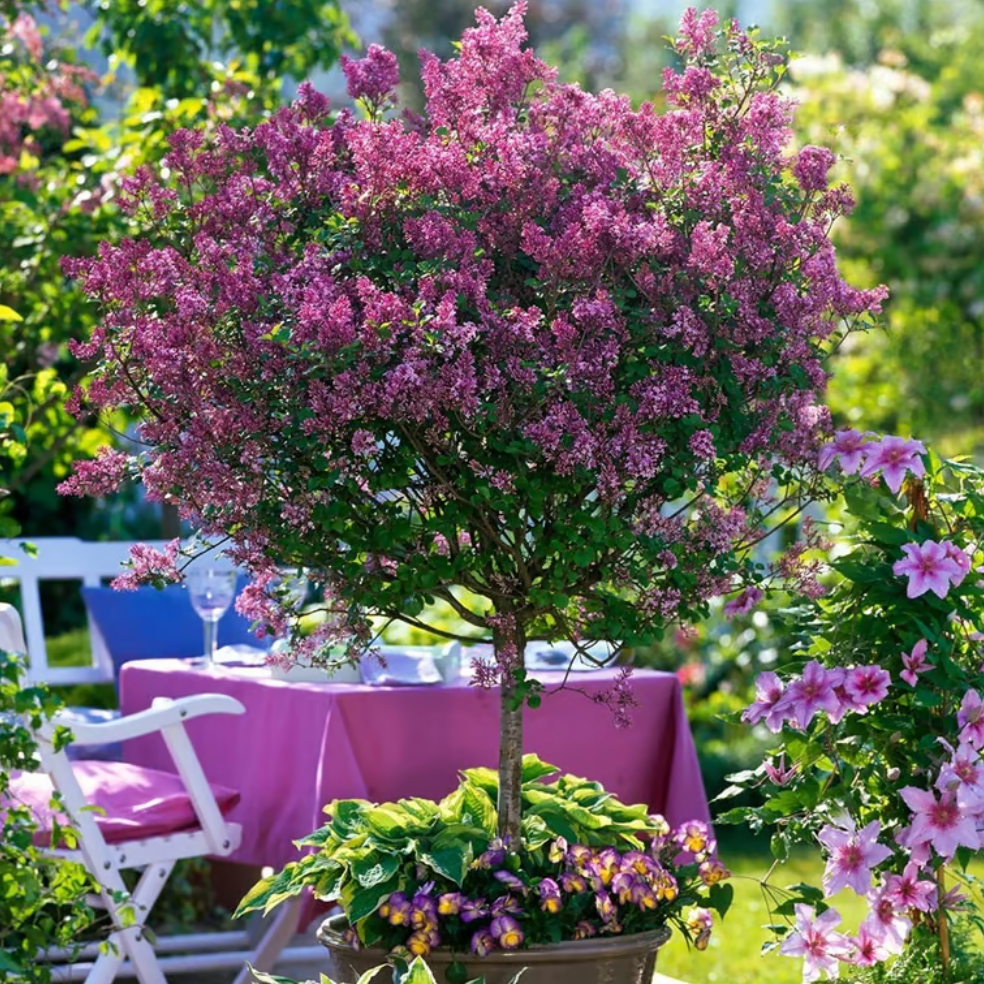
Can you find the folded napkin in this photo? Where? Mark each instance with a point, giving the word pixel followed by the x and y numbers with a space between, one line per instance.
pixel 402 668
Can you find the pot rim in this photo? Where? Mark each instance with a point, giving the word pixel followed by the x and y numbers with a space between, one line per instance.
pixel 330 936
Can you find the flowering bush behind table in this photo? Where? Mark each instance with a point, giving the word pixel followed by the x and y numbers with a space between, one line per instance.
pixel 881 724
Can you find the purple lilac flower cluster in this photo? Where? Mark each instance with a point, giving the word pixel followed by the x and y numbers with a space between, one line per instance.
pixel 364 274
pixel 586 892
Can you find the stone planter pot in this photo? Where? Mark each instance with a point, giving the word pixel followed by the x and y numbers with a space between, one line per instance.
pixel 602 960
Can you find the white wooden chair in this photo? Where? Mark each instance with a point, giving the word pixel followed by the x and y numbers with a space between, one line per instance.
pixel 129 949
pixel 130 952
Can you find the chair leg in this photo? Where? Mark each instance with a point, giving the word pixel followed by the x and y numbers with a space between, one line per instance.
pixel 281 930
pixel 130 941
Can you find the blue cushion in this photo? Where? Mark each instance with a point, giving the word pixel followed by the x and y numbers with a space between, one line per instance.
pixel 92 715
pixel 153 624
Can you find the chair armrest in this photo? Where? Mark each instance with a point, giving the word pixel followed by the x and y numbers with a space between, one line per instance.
pixel 163 714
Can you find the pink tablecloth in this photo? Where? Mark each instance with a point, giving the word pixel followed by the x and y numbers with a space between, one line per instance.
pixel 299 745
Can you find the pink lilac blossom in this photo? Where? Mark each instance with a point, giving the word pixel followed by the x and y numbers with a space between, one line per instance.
pixel 815 940
pixel 148 565
pixel 374 77
pixel 406 323
pixel 939 823
pixel 811 167
pixel 894 458
pixel 915 663
pixel 852 855
pixel 929 567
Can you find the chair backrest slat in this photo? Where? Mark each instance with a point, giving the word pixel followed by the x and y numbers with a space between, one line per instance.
pixel 62 559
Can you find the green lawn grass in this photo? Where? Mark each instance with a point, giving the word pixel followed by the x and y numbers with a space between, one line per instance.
pixel 734 954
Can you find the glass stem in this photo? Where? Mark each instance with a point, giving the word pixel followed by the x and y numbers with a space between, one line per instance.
pixel 211 632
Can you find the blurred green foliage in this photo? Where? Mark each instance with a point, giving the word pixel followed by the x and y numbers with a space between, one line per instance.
pixel 61 164
pixel 914 154
pixel 43 899
pixel 173 47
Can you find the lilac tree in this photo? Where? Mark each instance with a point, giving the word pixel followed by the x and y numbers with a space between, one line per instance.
pixel 535 343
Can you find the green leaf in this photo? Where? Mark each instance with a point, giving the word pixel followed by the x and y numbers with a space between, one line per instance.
pixel 270 892
pixel 809 892
pixel 363 978
pixel 419 973
pixel 451 860
pixel 535 768
pixel 477 803
pixel 9 314
pixel 720 897
pixel 389 821
pixel 487 779
pixel 361 902
pixel 375 868
pixel 261 978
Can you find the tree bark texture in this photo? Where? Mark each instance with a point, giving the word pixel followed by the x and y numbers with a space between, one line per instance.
pixel 510 805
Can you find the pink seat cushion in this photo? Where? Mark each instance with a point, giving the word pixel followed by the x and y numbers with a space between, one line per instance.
pixel 133 802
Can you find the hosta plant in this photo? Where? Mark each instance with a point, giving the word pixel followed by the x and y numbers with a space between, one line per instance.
pixel 879 723
pixel 414 875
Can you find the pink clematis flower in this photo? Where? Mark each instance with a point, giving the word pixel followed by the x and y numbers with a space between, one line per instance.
pixel 942 824
pixel 777 771
pixel 768 694
pixel 815 941
pixel 813 691
pixel 915 663
pixel 869 948
pixel 853 854
pixel 866 685
pixel 964 775
pixel 909 891
pixel 959 558
pixel 970 718
pixel 885 923
pixel 744 603
pixel 893 457
pixel 849 446
pixel 929 568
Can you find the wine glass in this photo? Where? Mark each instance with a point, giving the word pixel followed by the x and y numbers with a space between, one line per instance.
pixel 211 592
pixel 291 588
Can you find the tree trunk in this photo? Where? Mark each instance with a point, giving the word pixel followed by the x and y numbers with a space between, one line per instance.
pixel 510 803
